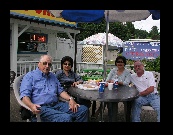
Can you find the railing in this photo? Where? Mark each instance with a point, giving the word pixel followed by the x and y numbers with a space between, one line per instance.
pixel 25 66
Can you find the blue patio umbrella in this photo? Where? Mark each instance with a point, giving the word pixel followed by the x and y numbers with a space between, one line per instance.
pixel 96 16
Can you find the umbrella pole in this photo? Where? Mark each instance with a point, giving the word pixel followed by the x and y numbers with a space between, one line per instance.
pixel 106 47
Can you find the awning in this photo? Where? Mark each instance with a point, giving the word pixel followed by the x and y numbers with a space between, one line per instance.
pixel 41 16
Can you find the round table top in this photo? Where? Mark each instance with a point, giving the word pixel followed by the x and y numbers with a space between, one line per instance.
pixel 123 93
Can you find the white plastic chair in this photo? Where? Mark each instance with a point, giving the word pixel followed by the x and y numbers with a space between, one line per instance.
pixel 16 87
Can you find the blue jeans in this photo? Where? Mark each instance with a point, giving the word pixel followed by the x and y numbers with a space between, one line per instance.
pixel 60 113
pixel 152 99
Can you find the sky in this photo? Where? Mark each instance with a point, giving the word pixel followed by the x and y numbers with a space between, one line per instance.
pixel 147 24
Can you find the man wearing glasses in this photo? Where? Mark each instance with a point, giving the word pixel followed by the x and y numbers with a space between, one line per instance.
pixel 40 90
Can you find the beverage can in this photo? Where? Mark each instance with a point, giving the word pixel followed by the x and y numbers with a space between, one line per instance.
pixel 101 87
pixel 115 83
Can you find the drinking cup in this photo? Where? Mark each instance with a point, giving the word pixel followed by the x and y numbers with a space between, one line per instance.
pixel 110 86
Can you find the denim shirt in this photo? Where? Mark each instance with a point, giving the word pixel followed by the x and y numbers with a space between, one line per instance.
pixel 72 77
pixel 40 88
pixel 124 77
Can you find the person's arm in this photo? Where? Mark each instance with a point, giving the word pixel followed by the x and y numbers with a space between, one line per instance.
pixel 34 107
pixel 109 78
pixel 147 91
pixel 26 91
pixel 126 79
pixel 78 80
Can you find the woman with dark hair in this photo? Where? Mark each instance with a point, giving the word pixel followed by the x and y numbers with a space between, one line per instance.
pixel 119 72
pixel 69 78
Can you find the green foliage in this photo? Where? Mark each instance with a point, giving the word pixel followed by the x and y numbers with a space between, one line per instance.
pixel 153 65
pixel 123 31
pixel 150 65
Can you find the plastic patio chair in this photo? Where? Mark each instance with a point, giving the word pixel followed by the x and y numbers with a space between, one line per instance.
pixel 12 77
pixel 16 87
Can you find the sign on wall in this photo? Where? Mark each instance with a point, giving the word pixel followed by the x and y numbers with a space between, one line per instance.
pixel 141 50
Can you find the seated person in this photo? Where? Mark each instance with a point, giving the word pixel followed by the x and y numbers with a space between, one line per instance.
pixel 121 73
pixel 40 90
pixel 148 94
pixel 68 78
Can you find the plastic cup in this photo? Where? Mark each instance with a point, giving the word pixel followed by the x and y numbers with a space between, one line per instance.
pixel 110 86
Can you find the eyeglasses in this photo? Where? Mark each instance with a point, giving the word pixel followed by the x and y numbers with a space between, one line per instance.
pixel 49 64
pixel 120 62
pixel 67 64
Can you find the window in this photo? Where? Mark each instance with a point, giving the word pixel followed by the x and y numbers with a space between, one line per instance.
pixel 30 41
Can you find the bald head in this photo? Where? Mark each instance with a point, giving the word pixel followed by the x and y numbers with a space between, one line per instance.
pixel 45 57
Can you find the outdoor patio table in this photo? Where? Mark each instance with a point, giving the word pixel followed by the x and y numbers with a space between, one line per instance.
pixel 124 94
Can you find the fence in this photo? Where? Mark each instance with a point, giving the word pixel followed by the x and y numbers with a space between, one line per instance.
pixel 25 66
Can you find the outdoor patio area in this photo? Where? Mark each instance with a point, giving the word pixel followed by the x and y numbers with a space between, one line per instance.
pixel 146 116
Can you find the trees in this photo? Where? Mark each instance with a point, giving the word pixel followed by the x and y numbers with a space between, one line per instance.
pixel 154 34
pixel 124 31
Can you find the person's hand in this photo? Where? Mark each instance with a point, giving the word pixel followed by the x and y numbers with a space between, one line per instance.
pixel 110 81
pixel 35 108
pixel 120 83
pixel 75 83
pixel 73 105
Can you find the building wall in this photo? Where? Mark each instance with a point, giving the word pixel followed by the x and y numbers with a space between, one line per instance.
pixel 85 53
pixel 60 47
pixel 64 47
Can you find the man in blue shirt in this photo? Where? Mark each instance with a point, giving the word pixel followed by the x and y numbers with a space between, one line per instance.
pixel 40 90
